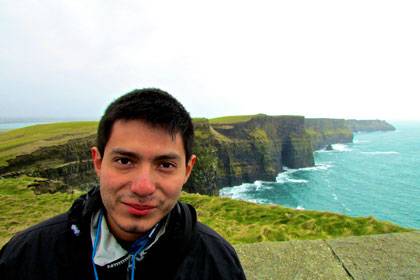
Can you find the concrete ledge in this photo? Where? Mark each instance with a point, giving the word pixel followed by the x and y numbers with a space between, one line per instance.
pixel 386 256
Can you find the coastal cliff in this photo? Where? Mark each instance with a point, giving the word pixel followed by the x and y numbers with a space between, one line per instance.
pixel 324 132
pixel 68 163
pixel 230 150
pixel 254 149
pixel 369 125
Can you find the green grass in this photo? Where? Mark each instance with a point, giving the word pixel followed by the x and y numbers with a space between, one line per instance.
pixel 231 119
pixel 260 135
pixel 245 222
pixel 21 208
pixel 238 221
pixel 28 139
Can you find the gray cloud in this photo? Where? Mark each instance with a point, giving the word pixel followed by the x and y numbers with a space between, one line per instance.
pixel 324 58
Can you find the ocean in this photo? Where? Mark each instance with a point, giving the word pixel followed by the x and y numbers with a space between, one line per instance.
pixel 9 124
pixel 377 175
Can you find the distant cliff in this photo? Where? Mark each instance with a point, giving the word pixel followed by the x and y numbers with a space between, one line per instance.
pixel 328 131
pixel 369 125
pixel 324 132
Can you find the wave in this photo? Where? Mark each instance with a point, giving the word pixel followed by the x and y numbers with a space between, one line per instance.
pixel 284 178
pixel 248 189
pixel 341 148
pixel 300 208
pixel 258 184
pixel 319 166
pixel 239 191
pixel 381 153
pixel 236 191
pixel 338 147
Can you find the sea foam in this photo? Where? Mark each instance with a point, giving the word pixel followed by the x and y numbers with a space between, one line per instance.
pixel 319 166
pixel 341 148
pixel 336 148
pixel 284 178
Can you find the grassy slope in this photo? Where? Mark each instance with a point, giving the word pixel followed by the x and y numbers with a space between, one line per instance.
pixel 21 208
pixel 246 222
pixel 28 139
pixel 237 221
pixel 231 119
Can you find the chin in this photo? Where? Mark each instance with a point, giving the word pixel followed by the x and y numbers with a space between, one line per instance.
pixel 139 227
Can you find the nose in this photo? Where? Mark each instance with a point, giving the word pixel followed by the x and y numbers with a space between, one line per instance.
pixel 143 184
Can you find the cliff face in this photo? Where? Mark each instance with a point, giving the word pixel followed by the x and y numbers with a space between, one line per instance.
pixel 328 131
pixel 253 149
pixel 68 163
pixel 369 125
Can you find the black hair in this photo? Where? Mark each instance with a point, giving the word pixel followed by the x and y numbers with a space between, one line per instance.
pixel 153 106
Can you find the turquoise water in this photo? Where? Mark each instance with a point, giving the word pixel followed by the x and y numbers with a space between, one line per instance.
pixel 376 175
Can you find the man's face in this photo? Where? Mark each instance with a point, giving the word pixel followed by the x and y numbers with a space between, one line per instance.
pixel 141 175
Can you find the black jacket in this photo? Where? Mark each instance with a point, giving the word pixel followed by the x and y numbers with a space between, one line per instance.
pixel 61 248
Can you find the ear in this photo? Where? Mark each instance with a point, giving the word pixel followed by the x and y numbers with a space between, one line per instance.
pixel 190 166
pixel 96 159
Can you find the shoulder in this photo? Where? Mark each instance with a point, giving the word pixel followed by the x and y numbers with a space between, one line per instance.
pixel 47 228
pixel 212 239
pixel 205 254
pixel 213 257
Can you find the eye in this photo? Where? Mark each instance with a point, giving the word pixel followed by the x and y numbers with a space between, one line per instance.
pixel 123 161
pixel 167 165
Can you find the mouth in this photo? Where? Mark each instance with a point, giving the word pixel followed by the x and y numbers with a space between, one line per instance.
pixel 138 209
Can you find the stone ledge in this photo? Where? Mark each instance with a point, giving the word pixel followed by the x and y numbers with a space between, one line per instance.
pixel 385 256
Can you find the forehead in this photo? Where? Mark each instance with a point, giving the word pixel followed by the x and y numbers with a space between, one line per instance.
pixel 140 133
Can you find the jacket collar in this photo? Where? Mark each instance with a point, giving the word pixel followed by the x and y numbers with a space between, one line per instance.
pixel 178 231
pixel 109 250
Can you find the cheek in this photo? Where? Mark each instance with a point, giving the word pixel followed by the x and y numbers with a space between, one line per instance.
pixel 110 184
pixel 173 188
pixel 110 180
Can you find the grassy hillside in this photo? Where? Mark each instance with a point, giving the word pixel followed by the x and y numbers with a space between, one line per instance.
pixel 245 222
pixel 21 208
pixel 231 119
pixel 28 139
pixel 237 221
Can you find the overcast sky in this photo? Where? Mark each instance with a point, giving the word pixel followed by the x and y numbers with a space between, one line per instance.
pixel 341 59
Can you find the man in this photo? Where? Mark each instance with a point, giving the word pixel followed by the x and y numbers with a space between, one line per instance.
pixel 132 226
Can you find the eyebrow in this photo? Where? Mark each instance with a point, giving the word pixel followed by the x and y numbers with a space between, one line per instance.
pixel 123 152
pixel 170 156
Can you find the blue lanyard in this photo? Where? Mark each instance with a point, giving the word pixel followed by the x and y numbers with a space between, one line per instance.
pixel 137 246
pixel 95 244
